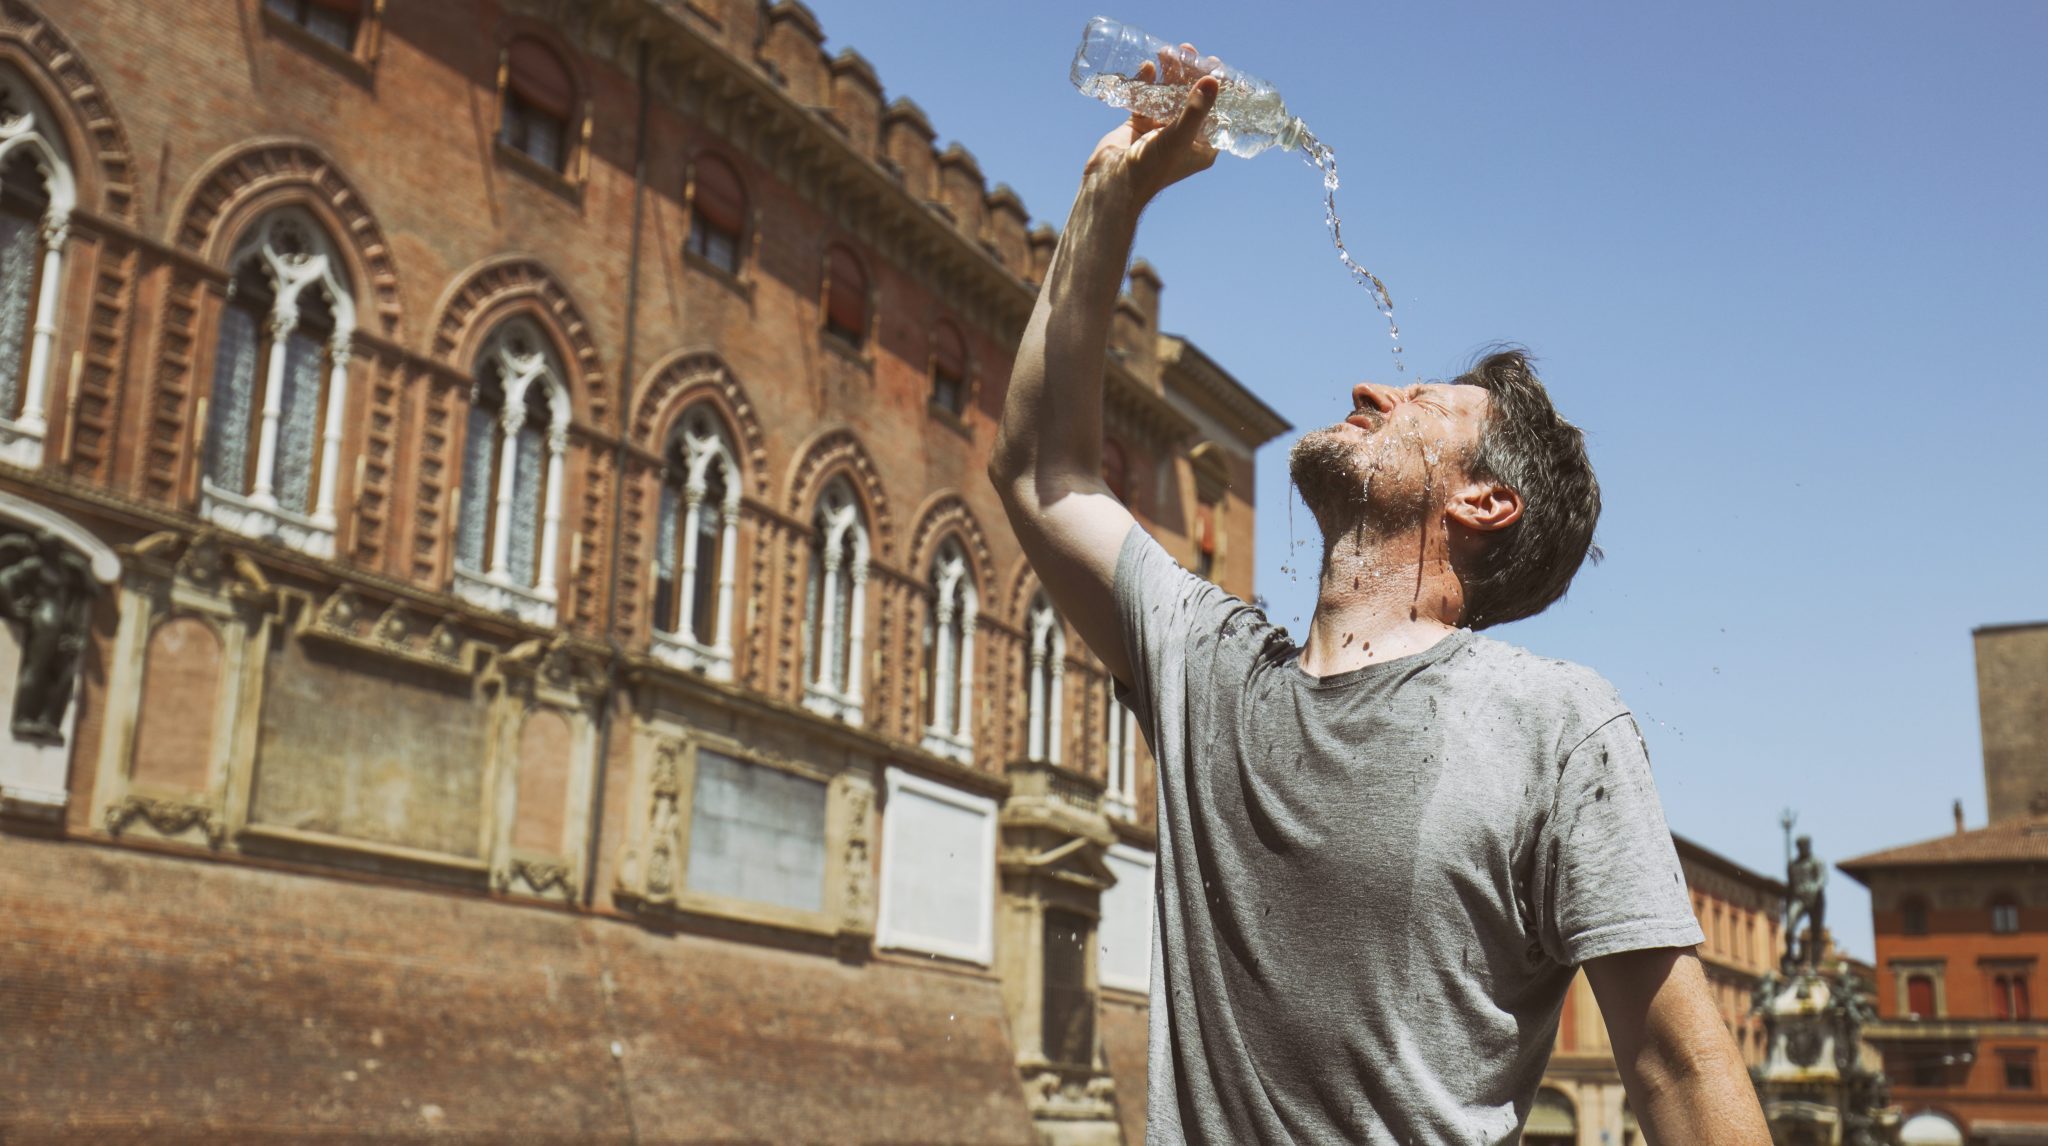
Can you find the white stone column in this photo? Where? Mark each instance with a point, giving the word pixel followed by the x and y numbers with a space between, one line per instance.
pixel 1034 740
pixel 263 490
pixel 1057 688
pixel 855 636
pixel 686 605
pixel 964 719
pixel 828 615
pixel 729 520
pixel 508 462
pixel 34 392
pixel 943 680
pixel 330 445
pixel 551 514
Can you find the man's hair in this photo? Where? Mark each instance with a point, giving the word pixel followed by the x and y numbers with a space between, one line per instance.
pixel 1526 446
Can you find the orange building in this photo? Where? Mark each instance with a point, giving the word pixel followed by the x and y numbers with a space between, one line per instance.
pixel 1962 926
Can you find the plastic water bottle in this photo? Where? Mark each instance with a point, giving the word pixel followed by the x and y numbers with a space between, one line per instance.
pixel 1249 115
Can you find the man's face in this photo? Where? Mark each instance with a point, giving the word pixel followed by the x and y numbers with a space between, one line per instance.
pixel 1394 460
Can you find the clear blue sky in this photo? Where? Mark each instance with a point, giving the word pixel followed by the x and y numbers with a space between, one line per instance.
pixel 1783 262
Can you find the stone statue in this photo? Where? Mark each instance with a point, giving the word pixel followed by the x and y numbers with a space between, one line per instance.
pixel 1764 993
pixel 1808 876
pixel 47 588
pixel 1852 1011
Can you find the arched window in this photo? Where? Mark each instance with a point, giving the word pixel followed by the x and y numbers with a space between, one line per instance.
pixel 333 21
pixel 1045 666
pixel 949 656
pixel 695 546
pixel 718 213
pixel 2005 915
pixel 846 297
pixel 1553 1120
pixel 509 523
pixel 1915 913
pixel 949 369
pixel 1116 470
pixel 539 102
pixel 1120 754
pixel 280 386
pixel 835 609
pixel 36 197
pixel 1920 997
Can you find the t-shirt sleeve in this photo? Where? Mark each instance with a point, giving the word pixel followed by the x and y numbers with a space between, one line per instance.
pixel 1610 873
pixel 1160 605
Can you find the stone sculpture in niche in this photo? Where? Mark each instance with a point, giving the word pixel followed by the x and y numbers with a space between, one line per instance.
pixel 47 588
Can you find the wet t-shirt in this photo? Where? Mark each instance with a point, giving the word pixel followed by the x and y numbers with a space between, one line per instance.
pixel 1374 886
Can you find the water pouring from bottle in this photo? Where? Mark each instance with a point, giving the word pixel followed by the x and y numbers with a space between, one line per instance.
pixel 1249 117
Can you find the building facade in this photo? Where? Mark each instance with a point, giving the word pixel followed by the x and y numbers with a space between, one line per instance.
pixel 1962 925
pixel 1582 1102
pixel 508 632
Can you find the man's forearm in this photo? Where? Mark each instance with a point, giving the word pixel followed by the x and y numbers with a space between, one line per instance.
pixel 1052 416
pixel 1704 1098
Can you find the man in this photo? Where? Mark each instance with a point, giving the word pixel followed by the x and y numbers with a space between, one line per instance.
pixel 1806 909
pixel 1382 853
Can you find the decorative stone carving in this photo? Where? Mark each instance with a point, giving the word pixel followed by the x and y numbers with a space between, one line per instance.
pixel 395 627
pixel 167 818
pixel 47 588
pixel 681 381
pixel 341 612
pixel 662 821
pixel 858 908
pixel 540 877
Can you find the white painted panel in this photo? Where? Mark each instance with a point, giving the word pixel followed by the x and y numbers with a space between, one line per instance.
pixel 1125 933
pixel 938 870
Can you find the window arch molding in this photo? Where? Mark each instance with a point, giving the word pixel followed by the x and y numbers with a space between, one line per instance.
pixel 40 194
pixel 491 291
pixel 697 542
pixel 686 378
pixel 254 178
pixel 828 453
pixel 84 124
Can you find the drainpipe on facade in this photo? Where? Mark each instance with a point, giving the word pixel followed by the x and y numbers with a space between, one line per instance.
pixel 611 587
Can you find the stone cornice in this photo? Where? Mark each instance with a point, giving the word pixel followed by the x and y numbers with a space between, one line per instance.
pixel 1193 374
pixel 739 101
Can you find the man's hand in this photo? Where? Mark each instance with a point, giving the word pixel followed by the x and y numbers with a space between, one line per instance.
pixel 1145 155
pixel 1684 1077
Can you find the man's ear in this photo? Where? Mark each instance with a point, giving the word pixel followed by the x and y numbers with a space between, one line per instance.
pixel 1485 506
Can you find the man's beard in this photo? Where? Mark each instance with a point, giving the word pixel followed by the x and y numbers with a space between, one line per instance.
pixel 1355 485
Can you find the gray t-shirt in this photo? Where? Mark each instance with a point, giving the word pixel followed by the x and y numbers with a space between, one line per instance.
pixel 1374 886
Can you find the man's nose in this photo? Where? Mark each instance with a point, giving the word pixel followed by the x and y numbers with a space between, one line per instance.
pixel 1374 395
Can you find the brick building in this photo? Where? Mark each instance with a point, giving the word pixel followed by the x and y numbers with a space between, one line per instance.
pixel 508 632
pixel 1582 1102
pixel 1962 926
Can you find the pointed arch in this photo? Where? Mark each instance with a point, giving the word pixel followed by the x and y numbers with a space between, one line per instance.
pixel 252 178
pixel 53 64
pixel 682 380
pixel 943 514
pixel 829 453
pixel 487 293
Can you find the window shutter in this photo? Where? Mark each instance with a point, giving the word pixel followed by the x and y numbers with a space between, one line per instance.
pixel 540 80
pixel 1920 996
pixel 718 196
pixel 846 305
pixel 949 354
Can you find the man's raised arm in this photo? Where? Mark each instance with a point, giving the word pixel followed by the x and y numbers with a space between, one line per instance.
pixel 1047 462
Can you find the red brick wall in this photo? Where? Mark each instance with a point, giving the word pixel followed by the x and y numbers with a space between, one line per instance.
pixel 224 1004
